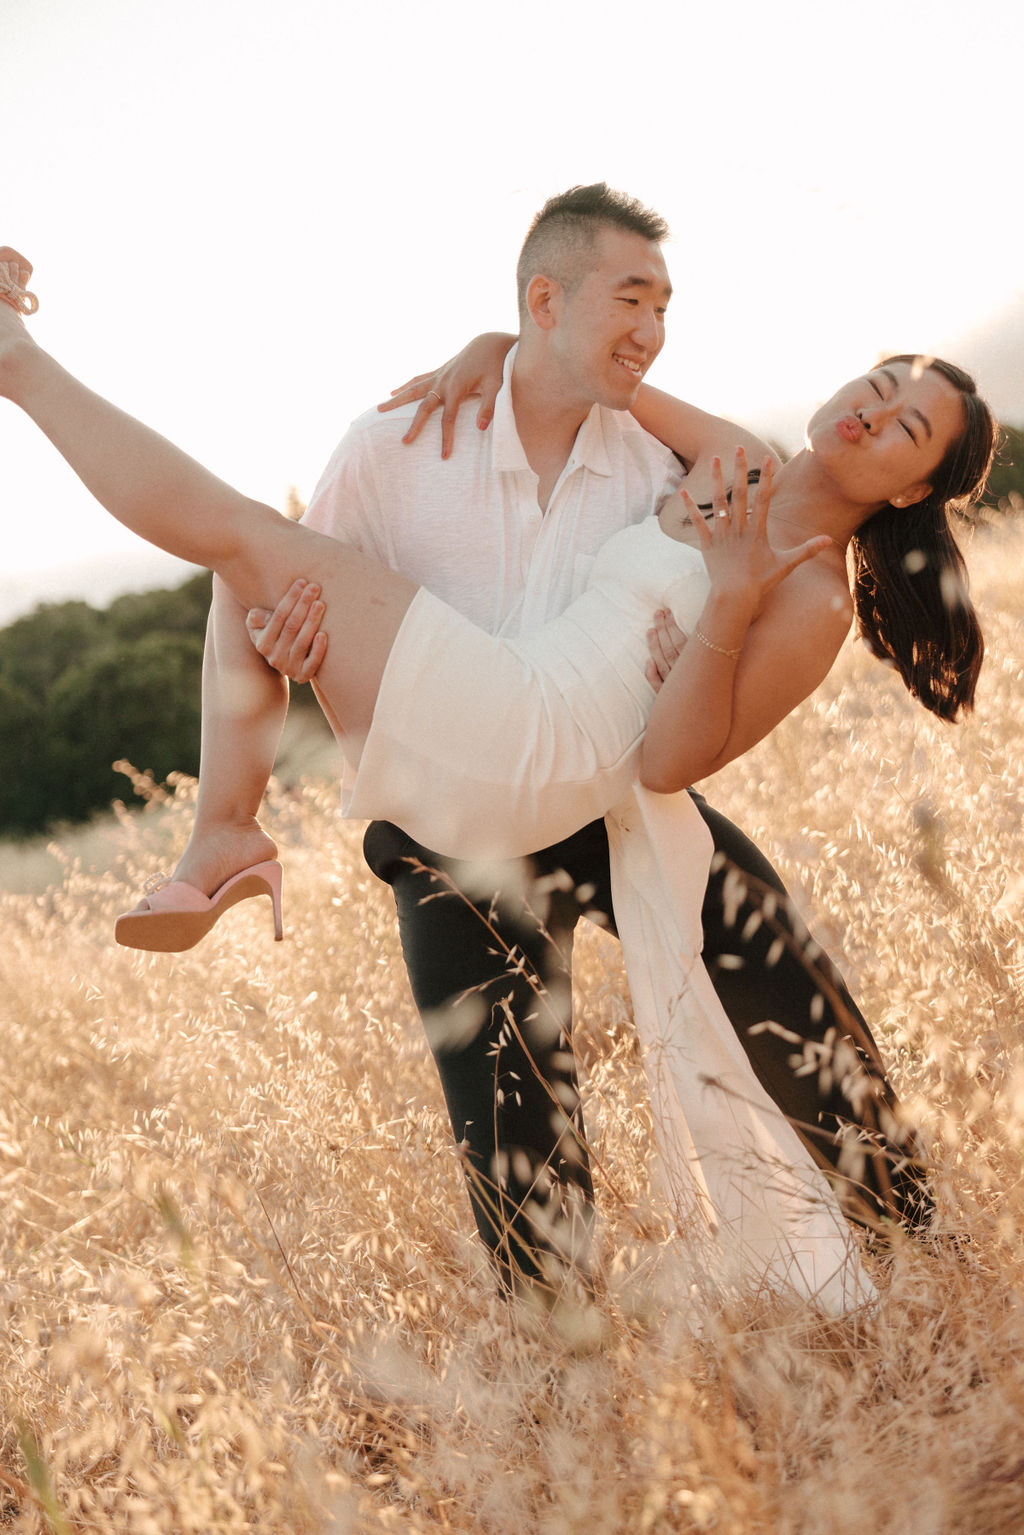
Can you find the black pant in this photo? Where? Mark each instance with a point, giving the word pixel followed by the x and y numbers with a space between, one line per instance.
pixel 491 975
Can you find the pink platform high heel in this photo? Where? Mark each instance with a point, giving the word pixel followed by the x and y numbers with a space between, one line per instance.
pixel 173 916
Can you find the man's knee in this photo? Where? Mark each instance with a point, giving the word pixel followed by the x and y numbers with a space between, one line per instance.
pixel 386 849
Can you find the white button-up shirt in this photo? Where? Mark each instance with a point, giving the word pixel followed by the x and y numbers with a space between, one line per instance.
pixel 470 528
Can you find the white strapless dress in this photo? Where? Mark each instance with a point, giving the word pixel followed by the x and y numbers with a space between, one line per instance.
pixel 491 748
pixel 485 748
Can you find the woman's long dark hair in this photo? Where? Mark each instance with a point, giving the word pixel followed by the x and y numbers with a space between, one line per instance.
pixel 909 577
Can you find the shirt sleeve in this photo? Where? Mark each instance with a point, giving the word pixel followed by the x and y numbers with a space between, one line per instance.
pixel 346 503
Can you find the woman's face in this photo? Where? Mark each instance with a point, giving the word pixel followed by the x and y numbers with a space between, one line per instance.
pixel 882 436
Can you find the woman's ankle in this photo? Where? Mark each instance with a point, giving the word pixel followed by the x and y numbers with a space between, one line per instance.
pixel 217 851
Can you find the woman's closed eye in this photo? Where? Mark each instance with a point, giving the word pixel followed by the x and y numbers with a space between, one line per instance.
pixel 875 386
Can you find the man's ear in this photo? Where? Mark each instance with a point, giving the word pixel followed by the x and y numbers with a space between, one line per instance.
pixel 912 495
pixel 543 300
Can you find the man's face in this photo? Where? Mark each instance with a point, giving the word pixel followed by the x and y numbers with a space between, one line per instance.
pixel 612 326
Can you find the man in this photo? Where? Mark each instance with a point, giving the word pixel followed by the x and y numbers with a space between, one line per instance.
pixel 504 530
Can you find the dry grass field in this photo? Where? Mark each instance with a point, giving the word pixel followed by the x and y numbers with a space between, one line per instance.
pixel 239 1289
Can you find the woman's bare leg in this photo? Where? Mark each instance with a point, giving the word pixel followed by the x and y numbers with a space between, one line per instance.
pixel 244 707
pixel 170 500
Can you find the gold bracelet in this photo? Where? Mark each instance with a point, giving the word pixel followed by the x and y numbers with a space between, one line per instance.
pixel 720 650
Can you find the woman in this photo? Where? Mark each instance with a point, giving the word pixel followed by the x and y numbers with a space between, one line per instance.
pixel 765 628
pixel 884 456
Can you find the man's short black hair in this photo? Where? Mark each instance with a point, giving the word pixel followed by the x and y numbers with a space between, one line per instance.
pixel 561 239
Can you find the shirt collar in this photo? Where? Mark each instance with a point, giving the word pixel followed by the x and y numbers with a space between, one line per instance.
pixel 507 451
pixel 590 450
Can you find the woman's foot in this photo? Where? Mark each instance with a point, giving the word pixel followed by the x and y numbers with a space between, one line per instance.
pixel 173 916
pixel 15 301
pixel 215 855
pixel 219 868
pixel 15 272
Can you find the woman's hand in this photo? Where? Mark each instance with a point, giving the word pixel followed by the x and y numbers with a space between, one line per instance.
pixel 741 562
pixel 750 659
pixel 476 371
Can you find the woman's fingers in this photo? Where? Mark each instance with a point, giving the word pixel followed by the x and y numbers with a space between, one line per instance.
pixel 422 387
pixel 719 499
pixel 789 559
pixel 413 389
pixel 428 405
pixel 476 371
pixel 738 501
pixel 488 395
pixel 449 413
pixel 763 497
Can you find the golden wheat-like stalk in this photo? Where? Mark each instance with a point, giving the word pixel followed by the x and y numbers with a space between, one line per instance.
pixel 239 1287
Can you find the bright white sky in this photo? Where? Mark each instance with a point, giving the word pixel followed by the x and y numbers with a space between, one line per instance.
pixel 249 221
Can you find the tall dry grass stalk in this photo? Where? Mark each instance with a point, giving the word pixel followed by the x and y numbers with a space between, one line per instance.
pixel 239 1289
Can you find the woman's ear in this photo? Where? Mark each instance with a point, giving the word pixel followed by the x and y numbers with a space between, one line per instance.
pixel 912 495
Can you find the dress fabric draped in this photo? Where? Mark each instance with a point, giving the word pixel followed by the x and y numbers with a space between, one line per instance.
pixel 488 749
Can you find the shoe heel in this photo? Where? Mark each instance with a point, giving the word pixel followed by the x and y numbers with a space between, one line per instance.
pixel 272 875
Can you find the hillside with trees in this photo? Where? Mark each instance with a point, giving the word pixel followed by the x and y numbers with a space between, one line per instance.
pixel 1006 482
pixel 82 688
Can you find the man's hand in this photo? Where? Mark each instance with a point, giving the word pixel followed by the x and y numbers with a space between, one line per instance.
pixel 665 643
pixel 290 638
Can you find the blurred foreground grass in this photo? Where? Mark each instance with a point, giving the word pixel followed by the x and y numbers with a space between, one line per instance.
pixel 239 1289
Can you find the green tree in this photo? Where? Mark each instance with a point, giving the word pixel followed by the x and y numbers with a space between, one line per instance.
pixel 174 610
pixel 136 699
pixel 81 688
pixel 37 649
pixel 1006 482
pixel 24 760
